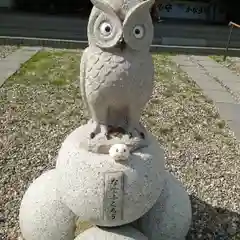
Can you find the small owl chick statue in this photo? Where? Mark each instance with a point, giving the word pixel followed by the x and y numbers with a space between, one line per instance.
pixel 116 71
pixel 119 152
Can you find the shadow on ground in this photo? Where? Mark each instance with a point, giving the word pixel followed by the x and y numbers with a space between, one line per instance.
pixel 212 222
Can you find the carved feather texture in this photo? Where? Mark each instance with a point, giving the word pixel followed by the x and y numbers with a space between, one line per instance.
pixel 115 78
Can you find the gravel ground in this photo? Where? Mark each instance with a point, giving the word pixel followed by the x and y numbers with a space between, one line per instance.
pixel 41 104
pixel 201 152
pixel 6 50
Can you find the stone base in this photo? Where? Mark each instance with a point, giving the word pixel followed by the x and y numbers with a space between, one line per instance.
pixel 170 217
pixel 87 184
pixel 106 192
pixel 118 233
pixel 42 215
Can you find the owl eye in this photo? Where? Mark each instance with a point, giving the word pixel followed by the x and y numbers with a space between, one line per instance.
pixel 138 32
pixel 105 28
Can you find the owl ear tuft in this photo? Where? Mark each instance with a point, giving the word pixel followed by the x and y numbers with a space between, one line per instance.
pixel 149 3
pixel 145 4
pixel 104 7
pixel 139 15
pixel 140 8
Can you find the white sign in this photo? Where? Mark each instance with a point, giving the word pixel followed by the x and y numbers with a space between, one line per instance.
pixel 191 10
pixel 113 199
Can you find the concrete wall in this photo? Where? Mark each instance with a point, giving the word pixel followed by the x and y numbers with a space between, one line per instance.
pixel 6 3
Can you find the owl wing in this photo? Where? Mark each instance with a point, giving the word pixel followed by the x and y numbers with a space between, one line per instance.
pixel 83 77
pixel 100 66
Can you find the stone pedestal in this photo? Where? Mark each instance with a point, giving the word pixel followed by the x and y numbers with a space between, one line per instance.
pixel 170 217
pixel 104 191
pixel 42 215
pixel 86 183
pixel 119 233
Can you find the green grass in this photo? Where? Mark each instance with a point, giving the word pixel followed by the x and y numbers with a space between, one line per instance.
pixel 229 63
pixel 48 68
pixel 218 58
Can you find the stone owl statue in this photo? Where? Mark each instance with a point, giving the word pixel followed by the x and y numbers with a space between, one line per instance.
pixel 116 70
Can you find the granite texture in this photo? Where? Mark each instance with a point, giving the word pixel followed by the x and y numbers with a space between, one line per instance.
pixel 42 216
pixel 81 179
pixel 118 233
pixel 170 217
pixel 116 79
pixel 117 70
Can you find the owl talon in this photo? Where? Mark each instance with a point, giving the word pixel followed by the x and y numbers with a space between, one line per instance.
pixel 130 135
pixel 142 135
pixel 92 135
pixel 107 136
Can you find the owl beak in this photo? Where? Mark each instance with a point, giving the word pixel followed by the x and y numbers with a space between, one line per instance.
pixel 122 44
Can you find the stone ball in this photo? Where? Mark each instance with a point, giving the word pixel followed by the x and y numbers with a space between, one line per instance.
pixel 42 215
pixel 106 192
pixel 171 216
pixel 117 233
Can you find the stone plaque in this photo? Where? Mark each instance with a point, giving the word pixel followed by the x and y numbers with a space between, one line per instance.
pixel 113 199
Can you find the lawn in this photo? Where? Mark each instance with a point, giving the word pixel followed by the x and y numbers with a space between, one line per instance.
pixel 41 104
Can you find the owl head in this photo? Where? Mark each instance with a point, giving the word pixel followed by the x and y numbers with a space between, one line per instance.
pixel 121 23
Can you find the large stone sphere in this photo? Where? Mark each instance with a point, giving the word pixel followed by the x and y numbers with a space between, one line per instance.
pixel 106 192
pixel 119 233
pixel 170 218
pixel 42 215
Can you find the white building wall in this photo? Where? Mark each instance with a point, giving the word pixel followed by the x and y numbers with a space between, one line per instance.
pixel 190 10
